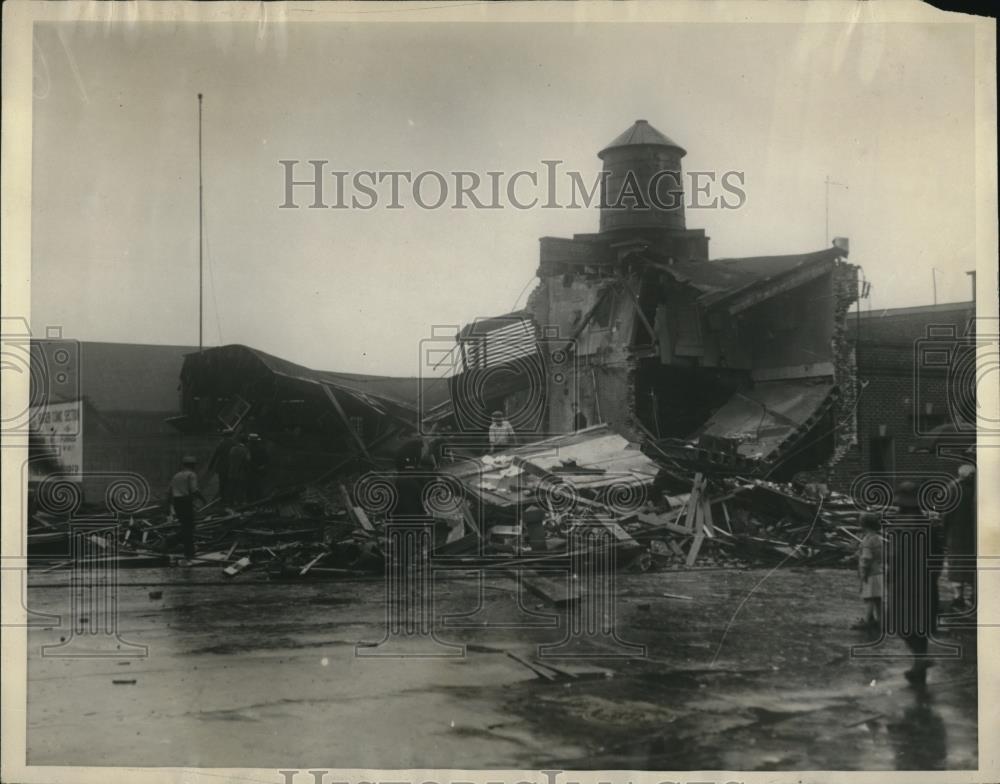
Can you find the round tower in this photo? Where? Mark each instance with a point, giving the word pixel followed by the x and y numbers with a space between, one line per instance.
pixel 641 188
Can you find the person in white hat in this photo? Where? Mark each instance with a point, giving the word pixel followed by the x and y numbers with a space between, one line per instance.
pixel 501 433
pixel 182 492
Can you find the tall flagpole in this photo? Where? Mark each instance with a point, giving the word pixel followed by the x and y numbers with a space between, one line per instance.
pixel 201 244
pixel 826 212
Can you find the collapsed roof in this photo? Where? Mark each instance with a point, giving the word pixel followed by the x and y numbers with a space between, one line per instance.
pixel 227 386
pixel 752 279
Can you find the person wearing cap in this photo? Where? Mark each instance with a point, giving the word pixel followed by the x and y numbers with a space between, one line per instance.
pixel 501 433
pixel 913 587
pixel 182 492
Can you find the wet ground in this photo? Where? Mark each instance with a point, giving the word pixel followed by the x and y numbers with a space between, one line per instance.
pixel 742 670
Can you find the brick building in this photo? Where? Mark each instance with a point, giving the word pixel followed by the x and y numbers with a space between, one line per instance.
pixel 916 403
pixel 745 361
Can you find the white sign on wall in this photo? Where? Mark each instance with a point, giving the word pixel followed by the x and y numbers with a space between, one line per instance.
pixel 57 440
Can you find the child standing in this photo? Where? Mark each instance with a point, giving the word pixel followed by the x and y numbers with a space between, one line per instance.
pixel 870 570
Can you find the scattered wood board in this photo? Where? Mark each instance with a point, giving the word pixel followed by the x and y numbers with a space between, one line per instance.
pixel 312 563
pixel 236 568
pixel 556 592
pixel 539 669
pixel 579 671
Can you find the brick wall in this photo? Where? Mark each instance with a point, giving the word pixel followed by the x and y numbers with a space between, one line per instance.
pixel 897 389
pixel 845 292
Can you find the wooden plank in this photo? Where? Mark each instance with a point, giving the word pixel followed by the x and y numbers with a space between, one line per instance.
pixel 675 529
pixel 694 503
pixel 535 667
pixel 660 520
pixel 207 558
pixel 363 520
pixel 346 422
pixel 725 514
pixel 695 547
pixel 638 311
pixel 620 534
pixel 580 671
pixel 236 568
pixel 707 521
pixel 846 531
pixel 312 563
pixel 356 513
pixel 557 592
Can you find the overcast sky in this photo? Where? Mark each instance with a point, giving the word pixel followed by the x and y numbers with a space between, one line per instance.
pixel 885 109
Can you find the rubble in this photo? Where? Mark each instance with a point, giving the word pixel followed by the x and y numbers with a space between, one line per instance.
pixel 529 507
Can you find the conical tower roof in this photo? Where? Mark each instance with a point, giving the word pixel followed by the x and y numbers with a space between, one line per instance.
pixel 642 133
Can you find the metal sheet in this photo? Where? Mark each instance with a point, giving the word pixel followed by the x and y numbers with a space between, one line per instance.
pixel 764 418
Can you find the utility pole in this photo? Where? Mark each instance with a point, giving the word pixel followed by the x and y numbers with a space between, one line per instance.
pixel 934 282
pixel 201 243
pixel 828 182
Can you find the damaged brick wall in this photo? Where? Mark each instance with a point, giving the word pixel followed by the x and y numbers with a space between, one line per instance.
pixel 845 293
pixel 597 376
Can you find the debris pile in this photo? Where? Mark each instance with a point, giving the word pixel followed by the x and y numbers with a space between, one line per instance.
pixel 293 533
pixel 540 504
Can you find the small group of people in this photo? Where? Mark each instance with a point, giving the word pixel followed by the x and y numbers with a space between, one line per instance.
pixel 240 462
pixel 901 581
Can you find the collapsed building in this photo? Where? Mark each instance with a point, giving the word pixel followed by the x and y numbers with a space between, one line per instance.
pixel 699 380
pixel 312 420
pixel 740 364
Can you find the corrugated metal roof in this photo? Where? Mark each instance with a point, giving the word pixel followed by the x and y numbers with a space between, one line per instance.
pixel 639 134
pixel 617 463
pixel 766 417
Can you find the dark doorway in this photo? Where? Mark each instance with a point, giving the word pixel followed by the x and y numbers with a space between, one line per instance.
pixel 882 454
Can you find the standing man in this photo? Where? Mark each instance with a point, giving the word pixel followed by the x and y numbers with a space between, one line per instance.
pixel 501 433
pixel 409 481
pixel 181 493
pixel 239 467
pixel 219 464
pixel 257 467
pixel 579 418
